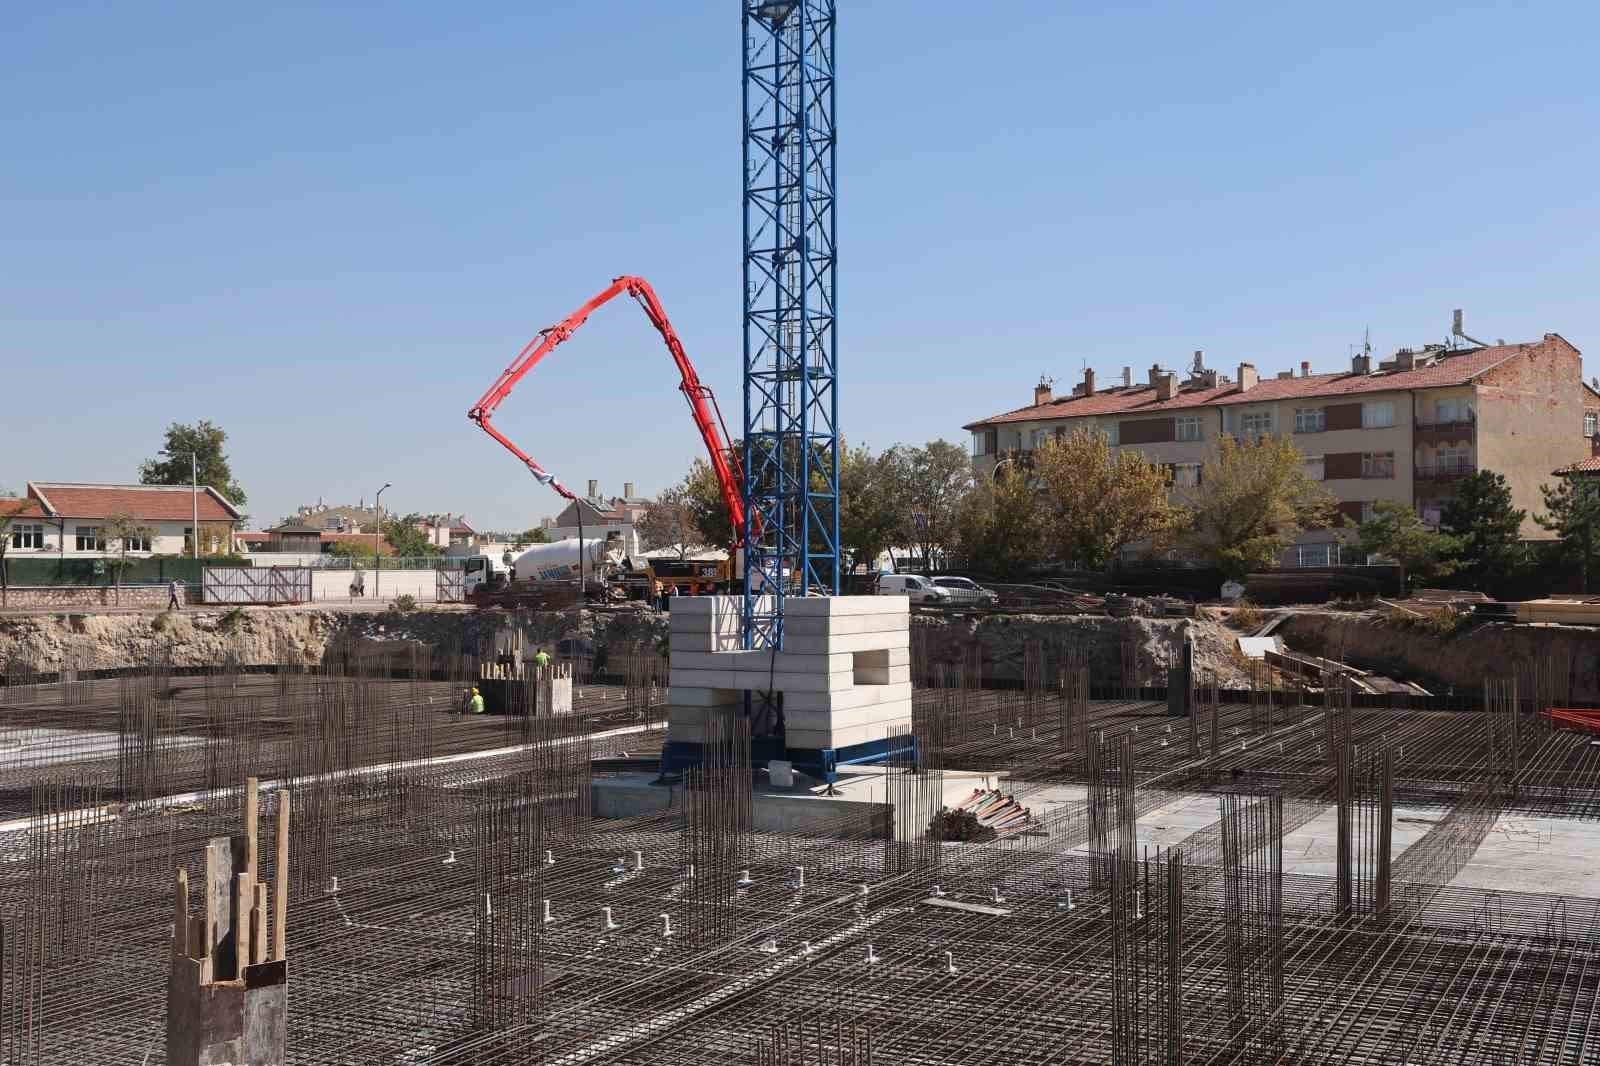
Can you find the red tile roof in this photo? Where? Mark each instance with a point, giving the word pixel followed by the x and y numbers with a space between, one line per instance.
pixel 1452 368
pixel 1590 465
pixel 151 503
pixel 29 507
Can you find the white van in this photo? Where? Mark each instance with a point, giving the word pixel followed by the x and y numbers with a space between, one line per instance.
pixel 920 589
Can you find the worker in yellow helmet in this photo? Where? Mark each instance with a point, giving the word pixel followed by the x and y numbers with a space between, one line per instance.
pixel 477 702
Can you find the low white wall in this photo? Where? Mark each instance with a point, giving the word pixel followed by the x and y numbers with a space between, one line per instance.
pixel 381 586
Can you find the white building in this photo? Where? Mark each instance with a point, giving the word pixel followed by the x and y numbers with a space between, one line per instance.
pixel 70 520
pixel 600 516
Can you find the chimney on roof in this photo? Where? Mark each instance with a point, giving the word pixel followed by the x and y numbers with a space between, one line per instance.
pixel 1247 377
pixel 1088 381
pixel 627 490
pixel 1305 368
pixel 1155 374
pixel 1043 392
pixel 1166 385
pixel 1405 359
pixel 1127 377
pixel 1361 364
pixel 594 489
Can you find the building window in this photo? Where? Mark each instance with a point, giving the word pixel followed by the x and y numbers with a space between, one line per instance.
pixel 1186 475
pixel 1309 420
pixel 1313 467
pixel 90 539
pixel 27 536
pixel 1250 423
pixel 1189 427
pixel 1446 412
pixel 1377 415
pixel 980 442
pixel 1377 464
pixel 1110 430
pixel 1324 554
pixel 1591 422
pixel 137 542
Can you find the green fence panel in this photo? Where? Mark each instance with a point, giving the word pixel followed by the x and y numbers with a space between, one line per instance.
pixel 155 570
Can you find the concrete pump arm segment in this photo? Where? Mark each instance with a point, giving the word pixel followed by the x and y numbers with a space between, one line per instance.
pixel 702 403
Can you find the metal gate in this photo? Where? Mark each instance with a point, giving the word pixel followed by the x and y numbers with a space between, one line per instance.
pixel 257 585
pixel 450 586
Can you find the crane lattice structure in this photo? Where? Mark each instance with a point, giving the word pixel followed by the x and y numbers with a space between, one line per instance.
pixel 791 436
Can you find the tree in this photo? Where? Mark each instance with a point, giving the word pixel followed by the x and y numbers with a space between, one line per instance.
pixel 1095 504
pixel 870 507
pixel 10 510
pixel 931 483
pixel 204 441
pixel 703 496
pixel 357 551
pixel 1488 530
pixel 530 536
pixel 1254 499
pixel 671 523
pixel 1396 532
pixel 406 537
pixel 999 524
pixel 124 529
pixel 1573 514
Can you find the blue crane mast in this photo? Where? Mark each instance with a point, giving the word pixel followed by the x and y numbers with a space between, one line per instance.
pixel 791 405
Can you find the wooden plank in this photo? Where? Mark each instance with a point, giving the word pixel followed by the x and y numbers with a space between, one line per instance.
pixel 219 910
pixel 970 908
pixel 252 802
pixel 258 925
pixel 180 918
pixel 280 916
pixel 245 892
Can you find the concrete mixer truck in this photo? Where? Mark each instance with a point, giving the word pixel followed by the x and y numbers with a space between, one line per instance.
pixel 546 576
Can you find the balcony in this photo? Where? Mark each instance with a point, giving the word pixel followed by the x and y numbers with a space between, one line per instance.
pixel 1449 470
pixel 1460 430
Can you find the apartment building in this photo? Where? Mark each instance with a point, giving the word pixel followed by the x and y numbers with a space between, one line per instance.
pixel 1404 429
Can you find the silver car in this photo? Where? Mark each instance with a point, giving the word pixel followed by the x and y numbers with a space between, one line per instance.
pixel 964 592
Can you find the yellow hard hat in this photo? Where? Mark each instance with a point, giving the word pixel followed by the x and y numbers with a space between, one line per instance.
pixel 474 691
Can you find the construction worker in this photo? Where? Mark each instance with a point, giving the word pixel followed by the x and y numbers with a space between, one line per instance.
pixel 541 659
pixel 477 702
pixel 466 700
pixel 173 603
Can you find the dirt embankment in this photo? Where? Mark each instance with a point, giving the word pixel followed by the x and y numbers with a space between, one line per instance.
pixel 265 636
pixel 1101 643
pixel 1463 660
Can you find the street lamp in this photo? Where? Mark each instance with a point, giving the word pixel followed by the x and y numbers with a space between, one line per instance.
pixel 377 565
pixel 194 499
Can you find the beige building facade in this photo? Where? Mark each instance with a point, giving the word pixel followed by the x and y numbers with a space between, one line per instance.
pixel 1406 429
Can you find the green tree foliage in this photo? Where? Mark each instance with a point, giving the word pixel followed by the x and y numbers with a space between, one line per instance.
pixel 406 537
pixel 1096 503
pixel 10 509
pixel 356 551
pixel 530 536
pixel 1395 531
pixel 1488 530
pixel 870 507
pixel 671 523
pixel 1572 512
pixel 703 497
pixel 120 530
pixel 205 441
pixel 1254 499
pixel 930 484
pixel 999 525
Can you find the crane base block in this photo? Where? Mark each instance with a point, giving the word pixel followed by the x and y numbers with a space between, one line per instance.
pixel 821 764
pixel 841 684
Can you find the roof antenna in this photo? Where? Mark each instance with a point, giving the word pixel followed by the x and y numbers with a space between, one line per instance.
pixel 1456 330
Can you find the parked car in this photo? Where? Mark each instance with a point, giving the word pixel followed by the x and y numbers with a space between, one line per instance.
pixel 920 589
pixel 965 592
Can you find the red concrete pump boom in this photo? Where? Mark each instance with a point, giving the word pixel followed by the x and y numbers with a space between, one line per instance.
pixel 702 404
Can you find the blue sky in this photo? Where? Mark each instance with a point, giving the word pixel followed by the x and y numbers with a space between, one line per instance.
pixel 328 227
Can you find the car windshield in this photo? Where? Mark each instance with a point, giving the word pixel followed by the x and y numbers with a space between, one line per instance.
pixel 955 582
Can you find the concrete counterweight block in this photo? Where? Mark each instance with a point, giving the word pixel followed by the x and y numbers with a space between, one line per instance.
pixel 844 671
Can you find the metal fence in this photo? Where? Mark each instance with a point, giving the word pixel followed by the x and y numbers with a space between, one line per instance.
pixel 257 585
pixel 450 586
pixel 363 562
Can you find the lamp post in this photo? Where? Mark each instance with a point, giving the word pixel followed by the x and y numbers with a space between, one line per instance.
pixel 377 562
pixel 194 499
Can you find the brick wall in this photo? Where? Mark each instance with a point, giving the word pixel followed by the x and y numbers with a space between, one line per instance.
pixel 89 596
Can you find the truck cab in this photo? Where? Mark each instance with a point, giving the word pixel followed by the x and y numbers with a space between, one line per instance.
pixel 483 570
